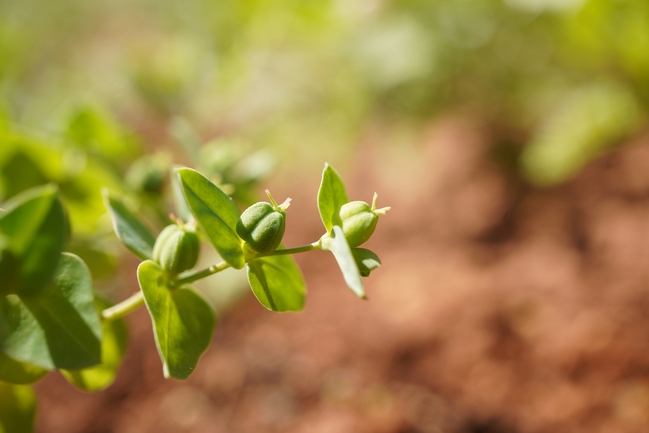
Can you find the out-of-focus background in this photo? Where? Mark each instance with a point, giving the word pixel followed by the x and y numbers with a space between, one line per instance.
pixel 509 136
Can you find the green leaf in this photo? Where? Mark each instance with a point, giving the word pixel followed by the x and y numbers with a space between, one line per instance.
pixel 19 373
pixel 17 408
pixel 128 228
pixel 59 328
pixel 331 197
pixel 216 214
pixel 366 260
pixel 277 283
pixel 113 346
pixel 35 229
pixel 183 321
pixel 338 245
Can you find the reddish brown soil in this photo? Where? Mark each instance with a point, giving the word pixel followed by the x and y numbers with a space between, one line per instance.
pixel 499 308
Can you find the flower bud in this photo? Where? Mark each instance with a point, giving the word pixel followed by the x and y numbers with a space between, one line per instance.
pixel 262 225
pixel 176 249
pixel 359 221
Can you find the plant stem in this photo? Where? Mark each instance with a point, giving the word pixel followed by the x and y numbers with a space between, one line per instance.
pixel 294 250
pixel 137 300
pixel 123 308
pixel 200 274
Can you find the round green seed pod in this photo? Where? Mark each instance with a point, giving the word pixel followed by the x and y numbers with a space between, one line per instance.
pixel 262 227
pixel 359 222
pixel 176 249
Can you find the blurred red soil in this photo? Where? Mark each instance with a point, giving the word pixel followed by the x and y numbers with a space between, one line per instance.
pixel 499 309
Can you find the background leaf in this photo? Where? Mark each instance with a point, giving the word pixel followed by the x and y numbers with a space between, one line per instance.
pixel 277 283
pixel 113 346
pixel 331 197
pixel 19 373
pixel 59 328
pixel 17 408
pixel 340 248
pixel 180 204
pixel 35 228
pixel 183 321
pixel 216 214
pixel 128 228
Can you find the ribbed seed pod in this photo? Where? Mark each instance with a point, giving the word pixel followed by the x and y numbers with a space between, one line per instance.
pixel 176 249
pixel 359 221
pixel 262 227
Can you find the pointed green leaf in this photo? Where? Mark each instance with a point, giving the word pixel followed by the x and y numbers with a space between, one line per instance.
pixel 59 328
pixel 277 283
pixel 331 197
pixel 34 230
pixel 113 346
pixel 216 214
pixel 366 260
pixel 183 321
pixel 17 408
pixel 19 373
pixel 338 245
pixel 128 228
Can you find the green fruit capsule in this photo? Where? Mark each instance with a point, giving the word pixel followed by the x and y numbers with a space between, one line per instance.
pixel 262 225
pixel 176 249
pixel 359 220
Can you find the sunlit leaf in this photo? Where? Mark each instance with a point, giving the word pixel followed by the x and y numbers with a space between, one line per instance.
pixel 113 346
pixel 17 408
pixel 331 197
pixel 338 245
pixel 277 283
pixel 183 321
pixel 128 228
pixel 35 229
pixel 58 328
pixel 216 213
pixel 19 373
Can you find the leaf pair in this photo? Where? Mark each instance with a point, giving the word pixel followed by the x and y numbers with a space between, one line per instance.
pixel 353 262
pixel 276 281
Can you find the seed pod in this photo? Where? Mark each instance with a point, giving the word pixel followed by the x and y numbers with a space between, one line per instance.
pixel 176 249
pixel 359 220
pixel 262 225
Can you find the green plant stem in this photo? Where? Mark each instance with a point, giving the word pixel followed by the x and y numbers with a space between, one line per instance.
pixel 200 274
pixel 294 250
pixel 124 308
pixel 137 300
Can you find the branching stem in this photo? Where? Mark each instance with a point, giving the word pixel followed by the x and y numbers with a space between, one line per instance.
pixel 131 304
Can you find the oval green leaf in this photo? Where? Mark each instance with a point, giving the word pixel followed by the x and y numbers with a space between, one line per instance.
pixel 277 283
pixel 19 373
pixel 216 213
pixel 17 408
pixel 183 321
pixel 366 260
pixel 59 328
pixel 331 197
pixel 34 229
pixel 128 228
pixel 113 346
pixel 338 245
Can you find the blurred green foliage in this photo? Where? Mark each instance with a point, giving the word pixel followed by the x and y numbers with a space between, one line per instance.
pixel 306 78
